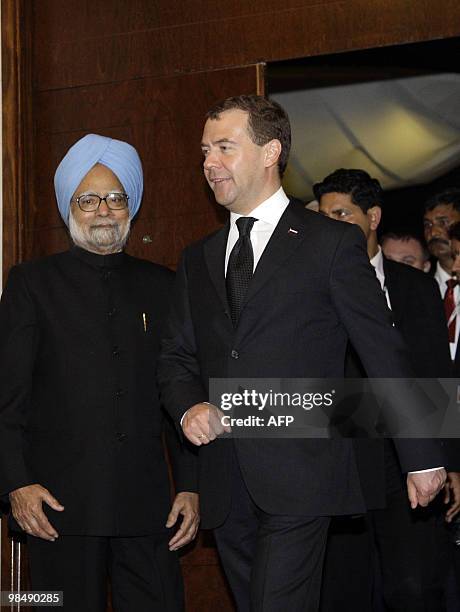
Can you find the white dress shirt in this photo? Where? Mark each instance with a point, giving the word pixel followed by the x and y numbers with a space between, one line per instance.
pixel 267 214
pixel 442 277
pixel 377 263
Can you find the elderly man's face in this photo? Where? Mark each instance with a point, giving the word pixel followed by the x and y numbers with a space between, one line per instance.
pixel 103 231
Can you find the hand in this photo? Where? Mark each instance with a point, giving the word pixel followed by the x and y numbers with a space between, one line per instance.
pixel 203 423
pixel 423 487
pixel 186 504
pixel 26 506
pixel 452 494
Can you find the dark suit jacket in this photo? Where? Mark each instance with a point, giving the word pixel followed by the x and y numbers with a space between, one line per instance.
pixel 79 407
pixel 312 290
pixel 418 313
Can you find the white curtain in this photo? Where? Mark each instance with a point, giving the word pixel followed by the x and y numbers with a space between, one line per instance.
pixel 403 132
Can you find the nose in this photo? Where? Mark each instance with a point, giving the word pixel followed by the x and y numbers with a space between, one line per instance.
pixel 438 231
pixel 103 209
pixel 211 161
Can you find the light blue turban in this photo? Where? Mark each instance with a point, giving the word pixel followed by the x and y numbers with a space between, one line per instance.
pixel 92 149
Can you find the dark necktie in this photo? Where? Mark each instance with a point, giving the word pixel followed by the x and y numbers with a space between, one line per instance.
pixel 240 267
pixel 449 307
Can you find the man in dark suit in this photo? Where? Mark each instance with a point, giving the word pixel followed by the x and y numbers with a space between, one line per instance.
pixel 412 545
pixel 442 211
pixel 276 293
pixel 81 453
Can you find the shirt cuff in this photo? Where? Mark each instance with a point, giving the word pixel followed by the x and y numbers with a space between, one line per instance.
pixel 428 470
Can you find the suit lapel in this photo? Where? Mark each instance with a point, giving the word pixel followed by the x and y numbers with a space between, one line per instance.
pixel 288 235
pixel 214 254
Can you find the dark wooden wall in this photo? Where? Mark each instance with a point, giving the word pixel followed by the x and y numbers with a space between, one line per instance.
pixel 146 71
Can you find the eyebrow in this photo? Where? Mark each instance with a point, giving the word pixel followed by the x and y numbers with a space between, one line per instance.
pixel 220 141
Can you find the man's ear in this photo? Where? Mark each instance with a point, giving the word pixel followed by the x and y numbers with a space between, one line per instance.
pixel 272 152
pixel 427 266
pixel 374 215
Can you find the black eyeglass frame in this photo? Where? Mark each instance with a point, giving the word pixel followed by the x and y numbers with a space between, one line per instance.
pixel 95 195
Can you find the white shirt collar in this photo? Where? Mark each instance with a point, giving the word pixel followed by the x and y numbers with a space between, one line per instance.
pixel 269 212
pixel 377 262
pixel 441 275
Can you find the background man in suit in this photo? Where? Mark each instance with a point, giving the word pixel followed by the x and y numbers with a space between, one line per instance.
pixel 441 212
pixel 407 249
pixel 412 545
pixel 275 293
pixel 81 452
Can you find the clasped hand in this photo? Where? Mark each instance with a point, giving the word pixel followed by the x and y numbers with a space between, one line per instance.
pixel 422 487
pixel 202 424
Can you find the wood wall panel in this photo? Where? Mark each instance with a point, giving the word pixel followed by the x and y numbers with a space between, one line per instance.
pixel 237 38
pixel 104 19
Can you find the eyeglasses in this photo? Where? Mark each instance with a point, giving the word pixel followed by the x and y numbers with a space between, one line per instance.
pixel 90 202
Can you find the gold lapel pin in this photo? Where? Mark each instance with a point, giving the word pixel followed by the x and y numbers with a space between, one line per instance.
pixel 144 320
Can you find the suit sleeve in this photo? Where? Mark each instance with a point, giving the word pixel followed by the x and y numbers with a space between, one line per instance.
pixel 18 348
pixel 362 308
pixel 183 458
pixel 178 370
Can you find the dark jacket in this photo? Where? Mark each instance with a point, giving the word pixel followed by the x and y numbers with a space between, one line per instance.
pixel 79 407
pixel 312 291
pixel 418 314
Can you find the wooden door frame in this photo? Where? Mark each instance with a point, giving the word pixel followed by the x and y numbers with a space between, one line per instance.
pixel 16 150
pixel 17 137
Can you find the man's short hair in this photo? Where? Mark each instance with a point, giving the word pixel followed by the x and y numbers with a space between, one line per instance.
pixel 446 197
pixel 405 237
pixel 364 190
pixel 267 120
pixel 454 231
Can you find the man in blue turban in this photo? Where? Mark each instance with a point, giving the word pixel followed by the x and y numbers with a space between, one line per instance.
pixel 81 455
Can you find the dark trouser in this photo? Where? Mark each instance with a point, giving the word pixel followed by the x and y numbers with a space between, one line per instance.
pixel 145 576
pixel 273 563
pixel 412 549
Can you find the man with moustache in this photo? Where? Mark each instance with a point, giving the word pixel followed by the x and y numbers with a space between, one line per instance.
pixel 441 212
pixel 81 454
pixel 276 293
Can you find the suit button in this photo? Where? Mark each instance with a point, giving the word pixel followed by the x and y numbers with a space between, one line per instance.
pixel 235 354
pixel 121 437
pixel 115 351
pixel 111 312
pixel 119 392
